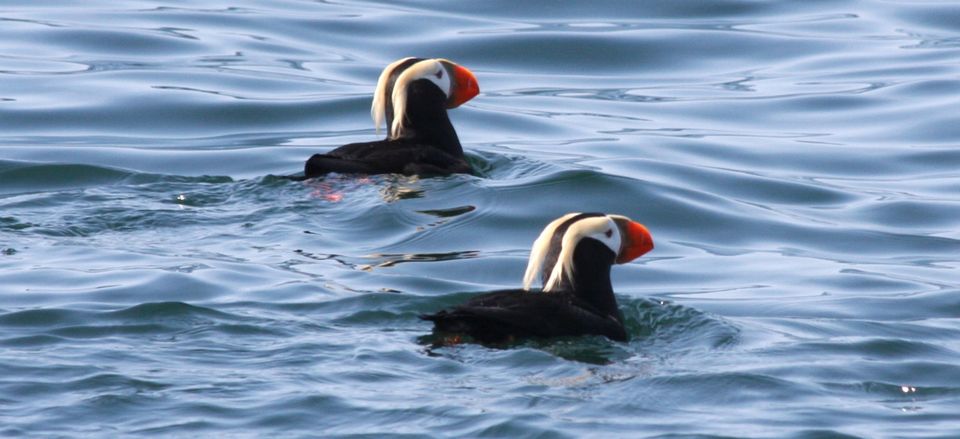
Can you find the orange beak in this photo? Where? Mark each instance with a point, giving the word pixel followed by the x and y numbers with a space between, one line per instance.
pixel 465 86
pixel 636 240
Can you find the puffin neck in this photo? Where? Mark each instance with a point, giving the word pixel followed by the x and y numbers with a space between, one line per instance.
pixel 426 118
pixel 591 278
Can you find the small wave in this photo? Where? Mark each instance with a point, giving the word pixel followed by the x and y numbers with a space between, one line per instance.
pixel 167 310
pixel 895 393
pixel 54 325
pixel 24 177
pixel 663 324
pixel 31 177
pixel 43 317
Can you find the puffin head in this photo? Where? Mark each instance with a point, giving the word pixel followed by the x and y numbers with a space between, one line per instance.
pixel 458 84
pixel 625 239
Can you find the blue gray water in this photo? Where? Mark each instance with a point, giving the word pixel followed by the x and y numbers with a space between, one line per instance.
pixel 797 162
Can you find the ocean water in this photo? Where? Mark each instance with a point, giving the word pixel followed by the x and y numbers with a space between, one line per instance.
pixel 797 162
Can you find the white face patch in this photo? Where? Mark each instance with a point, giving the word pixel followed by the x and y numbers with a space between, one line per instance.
pixel 430 69
pixel 600 228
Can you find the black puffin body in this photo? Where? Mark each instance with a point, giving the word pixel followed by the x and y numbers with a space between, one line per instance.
pixel 413 96
pixel 573 256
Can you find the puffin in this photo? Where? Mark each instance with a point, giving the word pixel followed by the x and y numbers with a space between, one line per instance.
pixel 573 256
pixel 412 96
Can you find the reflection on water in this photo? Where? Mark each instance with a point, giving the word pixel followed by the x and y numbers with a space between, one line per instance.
pixel 390 260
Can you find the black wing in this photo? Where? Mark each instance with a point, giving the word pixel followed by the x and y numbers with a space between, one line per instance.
pixel 502 315
pixel 386 157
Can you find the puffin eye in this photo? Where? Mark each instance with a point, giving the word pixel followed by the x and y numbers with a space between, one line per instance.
pixel 609 233
pixel 439 74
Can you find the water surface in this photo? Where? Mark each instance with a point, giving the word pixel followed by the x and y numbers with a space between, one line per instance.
pixel 798 164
